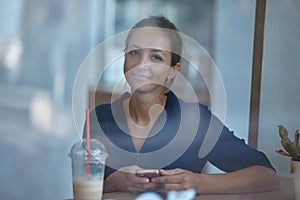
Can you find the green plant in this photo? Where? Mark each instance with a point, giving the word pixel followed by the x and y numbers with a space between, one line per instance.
pixel 292 148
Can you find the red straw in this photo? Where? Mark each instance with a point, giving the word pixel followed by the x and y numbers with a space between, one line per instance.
pixel 88 169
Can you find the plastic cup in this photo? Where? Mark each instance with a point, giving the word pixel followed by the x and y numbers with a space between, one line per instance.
pixel 88 170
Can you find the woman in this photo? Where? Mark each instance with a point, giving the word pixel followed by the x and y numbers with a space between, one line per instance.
pixel 151 117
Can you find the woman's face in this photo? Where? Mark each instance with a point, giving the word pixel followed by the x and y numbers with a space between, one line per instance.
pixel 147 60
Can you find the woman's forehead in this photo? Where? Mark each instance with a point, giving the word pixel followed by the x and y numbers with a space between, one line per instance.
pixel 149 38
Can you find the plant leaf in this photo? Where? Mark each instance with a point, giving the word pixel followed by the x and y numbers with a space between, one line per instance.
pixel 283 133
pixel 288 146
pixel 283 153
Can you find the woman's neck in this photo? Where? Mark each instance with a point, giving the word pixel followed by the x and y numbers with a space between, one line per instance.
pixel 142 111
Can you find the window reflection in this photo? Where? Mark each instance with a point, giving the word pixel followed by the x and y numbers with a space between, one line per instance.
pixel 42 45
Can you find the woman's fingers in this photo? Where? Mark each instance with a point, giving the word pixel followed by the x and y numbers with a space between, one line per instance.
pixel 167 179
pixel 169 176
pixel 171 172
pixel 177 179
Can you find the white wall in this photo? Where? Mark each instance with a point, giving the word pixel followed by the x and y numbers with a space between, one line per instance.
pixel 233 56
pixel 280 100
pixel 234 32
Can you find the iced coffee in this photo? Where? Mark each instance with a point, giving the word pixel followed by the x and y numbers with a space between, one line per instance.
pixel 88 170
pixel 87 189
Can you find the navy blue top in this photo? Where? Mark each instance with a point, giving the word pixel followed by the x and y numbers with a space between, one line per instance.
pixel 174 141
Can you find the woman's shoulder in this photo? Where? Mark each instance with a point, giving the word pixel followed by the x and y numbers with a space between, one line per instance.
pixel 107 109
pixel 191 104
pixel 115 102
pixel 103 107
pixel 188 109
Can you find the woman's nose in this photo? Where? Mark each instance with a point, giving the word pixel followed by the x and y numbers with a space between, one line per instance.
pixel 145 61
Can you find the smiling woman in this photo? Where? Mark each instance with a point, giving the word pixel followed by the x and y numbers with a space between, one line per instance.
pixel 148 123
pixel 147 61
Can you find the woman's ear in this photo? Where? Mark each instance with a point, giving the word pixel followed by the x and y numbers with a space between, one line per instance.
pixel 174 71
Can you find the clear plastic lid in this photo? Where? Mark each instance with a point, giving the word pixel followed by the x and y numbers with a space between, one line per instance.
pixel 79 149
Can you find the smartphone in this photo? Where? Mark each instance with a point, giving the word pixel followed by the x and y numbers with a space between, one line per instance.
pixel 149 173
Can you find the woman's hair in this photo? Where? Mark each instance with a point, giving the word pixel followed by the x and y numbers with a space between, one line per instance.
pixel 170 29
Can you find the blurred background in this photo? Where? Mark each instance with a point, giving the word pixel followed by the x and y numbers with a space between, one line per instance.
pixel 43 44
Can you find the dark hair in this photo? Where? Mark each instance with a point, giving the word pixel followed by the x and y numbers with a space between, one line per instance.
pixel 173 35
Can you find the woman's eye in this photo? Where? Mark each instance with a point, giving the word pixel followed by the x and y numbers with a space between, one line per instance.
pixel 156 57
pixel 133 52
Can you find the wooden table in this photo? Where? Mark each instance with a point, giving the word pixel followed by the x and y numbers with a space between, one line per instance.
pixel 286 192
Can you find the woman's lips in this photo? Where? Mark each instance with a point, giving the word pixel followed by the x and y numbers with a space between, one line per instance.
pixel 141 77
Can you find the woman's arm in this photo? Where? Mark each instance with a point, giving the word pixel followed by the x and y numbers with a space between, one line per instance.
pixel 247 180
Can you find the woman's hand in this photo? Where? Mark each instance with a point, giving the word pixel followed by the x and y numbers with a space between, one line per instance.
pixel 178 179
pixel 246 180
pixel 124 179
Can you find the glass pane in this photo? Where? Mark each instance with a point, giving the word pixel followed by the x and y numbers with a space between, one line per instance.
pixel 42 46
